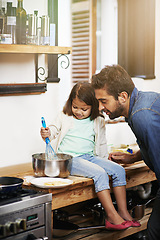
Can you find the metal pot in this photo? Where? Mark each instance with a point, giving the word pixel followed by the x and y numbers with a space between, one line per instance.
pixel 10 184
pixel 52 168
pixel 138 211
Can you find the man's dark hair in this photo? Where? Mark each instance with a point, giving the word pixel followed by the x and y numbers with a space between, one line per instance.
pixel 114 79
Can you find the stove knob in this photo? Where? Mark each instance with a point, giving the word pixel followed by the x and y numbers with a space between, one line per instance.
pixel 21 224
pixel 11 227
pixel 3 230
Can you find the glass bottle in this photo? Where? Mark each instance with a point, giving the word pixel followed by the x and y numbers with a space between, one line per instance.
pixel 13 25
pixel 6 37
pixel 3 8
pixel 20 23
pixel 9 6
pixel 8 18
pixel 2 18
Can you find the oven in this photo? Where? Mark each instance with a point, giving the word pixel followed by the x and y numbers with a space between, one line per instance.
pixel 25 215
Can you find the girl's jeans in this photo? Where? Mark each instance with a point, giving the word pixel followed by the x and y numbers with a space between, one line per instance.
pixel 99 170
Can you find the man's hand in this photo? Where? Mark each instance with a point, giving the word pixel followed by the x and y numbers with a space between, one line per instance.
pixel 125 158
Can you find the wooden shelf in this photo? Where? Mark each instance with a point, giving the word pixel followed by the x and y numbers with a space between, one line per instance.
pixel 109 235
pixel 35 88
pixel 22 89
pixel 16 48
pixel 100 234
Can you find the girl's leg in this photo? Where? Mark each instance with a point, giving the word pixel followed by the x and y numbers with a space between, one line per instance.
pixel 112 215
pixel 82 167
pixel 120 195
pixel 118 176
pixel 114 170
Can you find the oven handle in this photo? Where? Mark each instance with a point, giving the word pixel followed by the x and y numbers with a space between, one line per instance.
pixel 44 238
pixel 32 237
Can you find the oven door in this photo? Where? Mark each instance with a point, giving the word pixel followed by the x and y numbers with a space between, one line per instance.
pixel 38 234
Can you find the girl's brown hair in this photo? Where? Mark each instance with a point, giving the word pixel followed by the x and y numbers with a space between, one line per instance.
pixel 84 92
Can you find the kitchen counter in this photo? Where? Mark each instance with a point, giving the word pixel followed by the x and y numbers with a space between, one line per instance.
pixel 83 189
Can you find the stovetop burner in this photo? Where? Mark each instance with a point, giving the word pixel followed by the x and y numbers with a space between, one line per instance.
pixel 15 196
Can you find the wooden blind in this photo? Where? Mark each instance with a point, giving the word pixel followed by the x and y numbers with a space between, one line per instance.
pixel 83 39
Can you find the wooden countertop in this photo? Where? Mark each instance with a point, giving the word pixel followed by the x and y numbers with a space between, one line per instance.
pixel 82 188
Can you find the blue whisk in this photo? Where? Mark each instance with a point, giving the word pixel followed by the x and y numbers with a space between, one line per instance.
pixel 49 150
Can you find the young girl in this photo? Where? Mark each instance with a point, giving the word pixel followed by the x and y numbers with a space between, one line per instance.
pixel 80 132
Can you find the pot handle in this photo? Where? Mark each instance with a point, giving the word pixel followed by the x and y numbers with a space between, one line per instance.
pixel 150 200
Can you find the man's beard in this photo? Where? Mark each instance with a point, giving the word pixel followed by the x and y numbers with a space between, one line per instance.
pixel 117 113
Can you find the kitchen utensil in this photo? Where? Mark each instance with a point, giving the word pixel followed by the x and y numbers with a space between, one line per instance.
pixel 42 166
pixel 10 184
pixel 49 150
pixel 64 228
pixel 51 168
pixel 137 212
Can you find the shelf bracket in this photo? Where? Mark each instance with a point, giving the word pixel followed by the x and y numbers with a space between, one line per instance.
pixel 40 71
pixel 36 67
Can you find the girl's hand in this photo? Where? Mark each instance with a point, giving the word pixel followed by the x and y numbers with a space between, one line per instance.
pixel 45 132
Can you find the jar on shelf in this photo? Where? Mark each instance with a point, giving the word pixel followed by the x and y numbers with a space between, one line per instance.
pixel 32 37
pixel 45 30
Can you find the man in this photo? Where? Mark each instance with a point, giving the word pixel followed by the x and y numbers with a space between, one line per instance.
pixel 118 96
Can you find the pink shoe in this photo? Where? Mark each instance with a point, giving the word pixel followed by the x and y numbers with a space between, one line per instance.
pixel 121 226
pixel 135 223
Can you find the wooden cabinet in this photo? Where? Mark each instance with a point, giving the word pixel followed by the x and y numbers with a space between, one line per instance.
pixel 29 88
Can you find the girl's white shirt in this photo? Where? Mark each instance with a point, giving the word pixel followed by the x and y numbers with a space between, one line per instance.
pixel 64 122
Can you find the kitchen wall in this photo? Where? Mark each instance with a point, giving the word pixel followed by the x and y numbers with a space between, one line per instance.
pixel 20 115
pixel 20 119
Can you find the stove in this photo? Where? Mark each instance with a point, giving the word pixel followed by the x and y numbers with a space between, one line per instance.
pixel 25 215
